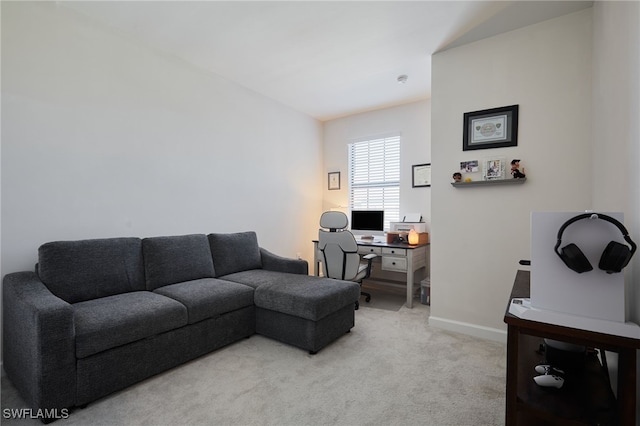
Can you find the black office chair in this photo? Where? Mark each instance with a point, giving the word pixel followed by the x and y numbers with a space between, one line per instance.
pixel 340 258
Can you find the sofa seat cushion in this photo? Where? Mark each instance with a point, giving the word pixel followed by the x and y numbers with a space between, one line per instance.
pixel 303 296
pixel 113 321
pixel 209 297
pixel 255 277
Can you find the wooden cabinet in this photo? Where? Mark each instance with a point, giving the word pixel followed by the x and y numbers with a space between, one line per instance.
pixel 586 399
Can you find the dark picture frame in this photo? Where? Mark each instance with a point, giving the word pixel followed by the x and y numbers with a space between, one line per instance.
pixel 333 181
pixel 421 175
pixel 490 128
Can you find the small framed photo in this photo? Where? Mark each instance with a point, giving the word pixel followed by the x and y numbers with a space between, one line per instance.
pixel 334 181
pixel 490 128
pixel 495 168
pixel 421 175
pixel 469 166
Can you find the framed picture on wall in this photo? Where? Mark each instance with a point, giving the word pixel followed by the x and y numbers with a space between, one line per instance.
pixel 495 168
pixel 334 181
pixel 421 175
pixel 490 128
pixel 469 166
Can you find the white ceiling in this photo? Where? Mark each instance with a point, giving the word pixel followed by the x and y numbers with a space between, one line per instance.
pixel 327 59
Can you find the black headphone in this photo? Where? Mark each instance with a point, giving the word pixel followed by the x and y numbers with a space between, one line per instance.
pixel 614 257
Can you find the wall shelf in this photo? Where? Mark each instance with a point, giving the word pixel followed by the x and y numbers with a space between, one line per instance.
pixel 489 182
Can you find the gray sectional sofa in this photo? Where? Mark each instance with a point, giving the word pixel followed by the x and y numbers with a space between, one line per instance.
pixel 99 315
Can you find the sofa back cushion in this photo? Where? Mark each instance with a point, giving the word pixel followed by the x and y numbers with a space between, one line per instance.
pixel 235 252
pixel 76 271
pixel 175 259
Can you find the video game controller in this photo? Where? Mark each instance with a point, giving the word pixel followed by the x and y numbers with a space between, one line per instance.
pixel 549 381
pixel 550 376
pixel 548 369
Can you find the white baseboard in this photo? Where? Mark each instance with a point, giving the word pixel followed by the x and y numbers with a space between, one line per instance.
pixel 475 330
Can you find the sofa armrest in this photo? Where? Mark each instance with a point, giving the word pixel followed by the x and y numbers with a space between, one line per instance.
pixel 273 262
pixel 38 342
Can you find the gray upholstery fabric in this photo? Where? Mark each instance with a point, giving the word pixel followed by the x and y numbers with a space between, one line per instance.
pixel 115 369
pixel 306 296
pixel 254 278
pixel 171 260
pixel 88 269
pixel 38 342
pixel 209 297
pixel 273 262
pixel 304 333
pixel 61 354
pixel 112 321
pixel 235 252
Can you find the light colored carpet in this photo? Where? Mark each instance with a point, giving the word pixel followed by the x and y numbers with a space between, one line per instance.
pixel 391 369
pixel 389 299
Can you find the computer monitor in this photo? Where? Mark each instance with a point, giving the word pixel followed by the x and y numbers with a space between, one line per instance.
pixel 367 223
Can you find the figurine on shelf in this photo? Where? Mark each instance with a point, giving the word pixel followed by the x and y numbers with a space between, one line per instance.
pixel 515 169
pixel 457 177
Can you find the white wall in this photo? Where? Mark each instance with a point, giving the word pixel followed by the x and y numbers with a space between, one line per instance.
pixel 412 121
pixel 102 137
pixel 616 139
pixel 479 234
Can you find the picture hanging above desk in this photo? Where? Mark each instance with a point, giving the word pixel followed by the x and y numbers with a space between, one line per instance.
pixel 421 175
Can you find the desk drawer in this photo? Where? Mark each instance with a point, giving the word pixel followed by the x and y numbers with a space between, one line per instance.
pixel 394 251
pixel 369 250
pixel 392 263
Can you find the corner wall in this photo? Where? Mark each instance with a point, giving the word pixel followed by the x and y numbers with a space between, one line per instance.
pixel 412 121
pixel 480 234
pixel 616 139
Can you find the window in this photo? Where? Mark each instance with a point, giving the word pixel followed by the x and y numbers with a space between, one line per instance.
pixel 374 176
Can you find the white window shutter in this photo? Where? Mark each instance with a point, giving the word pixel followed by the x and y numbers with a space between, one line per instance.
pixel 374 176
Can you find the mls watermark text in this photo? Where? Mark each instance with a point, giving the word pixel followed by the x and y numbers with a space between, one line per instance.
pixel 40 414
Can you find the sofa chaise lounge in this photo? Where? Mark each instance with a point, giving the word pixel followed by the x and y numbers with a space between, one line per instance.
pixel 99 315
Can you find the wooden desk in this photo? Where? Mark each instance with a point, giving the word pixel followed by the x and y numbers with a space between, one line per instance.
pixel 585 401
pixel 403 258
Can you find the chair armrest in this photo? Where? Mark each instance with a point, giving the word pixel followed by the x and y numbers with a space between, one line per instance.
pixel 38 342
pixel 369 258
pixel 273 262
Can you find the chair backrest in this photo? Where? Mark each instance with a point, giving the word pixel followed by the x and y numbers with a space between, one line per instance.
pixel 340 258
